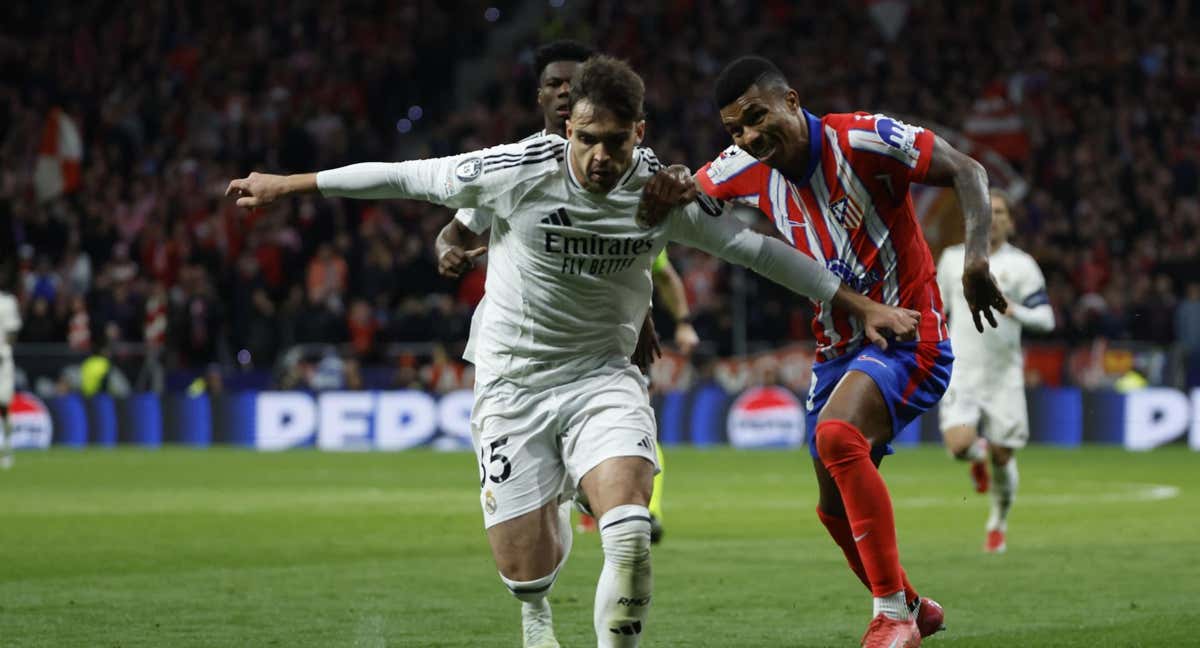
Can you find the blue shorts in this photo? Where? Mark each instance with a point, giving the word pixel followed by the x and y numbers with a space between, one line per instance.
pixel 912 376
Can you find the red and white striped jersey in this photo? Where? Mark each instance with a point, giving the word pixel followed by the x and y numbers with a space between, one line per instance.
pixel 852 211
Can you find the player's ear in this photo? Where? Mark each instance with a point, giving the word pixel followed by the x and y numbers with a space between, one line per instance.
pixel 792 98
pixel 639 131
pixel 570 128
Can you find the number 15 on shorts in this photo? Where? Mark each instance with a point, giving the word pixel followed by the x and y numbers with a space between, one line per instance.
pixel 501 468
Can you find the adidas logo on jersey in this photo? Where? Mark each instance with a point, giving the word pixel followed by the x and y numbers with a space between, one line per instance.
pixel 646 443
pixel 559 218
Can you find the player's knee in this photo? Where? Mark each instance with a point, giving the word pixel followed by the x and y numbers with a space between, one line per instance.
pixel 625 535
pixel 530 590
pixel 838 441
pixel 1001 455
pixel 522 570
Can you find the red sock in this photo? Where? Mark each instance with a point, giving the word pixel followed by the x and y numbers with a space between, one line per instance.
pixel 839 530
pixel 847 455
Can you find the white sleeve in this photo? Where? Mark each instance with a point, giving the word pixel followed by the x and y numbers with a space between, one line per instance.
pixel 471 180
pixel 1034 311
pixel 1038 318
pixel 444 181
pixel 476 220
pixel 945 279
pixel 702 226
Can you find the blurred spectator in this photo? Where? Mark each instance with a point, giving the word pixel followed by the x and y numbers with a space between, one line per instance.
pixel 327 277
pixel 40 324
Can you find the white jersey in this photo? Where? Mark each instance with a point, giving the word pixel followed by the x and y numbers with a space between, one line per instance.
pixel 10 321
pixel 995 356
pixel 568 282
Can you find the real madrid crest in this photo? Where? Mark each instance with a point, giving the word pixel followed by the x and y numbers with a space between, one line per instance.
pixel 469 169
pixel 489 502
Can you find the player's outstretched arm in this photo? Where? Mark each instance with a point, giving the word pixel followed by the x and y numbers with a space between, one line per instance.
pixel 456 181
pixel 951 167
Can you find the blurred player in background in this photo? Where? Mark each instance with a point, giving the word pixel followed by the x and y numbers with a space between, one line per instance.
pixel 461 241
pixel 557 402
pixel 987 392
pixel 837 188
pixel 10 323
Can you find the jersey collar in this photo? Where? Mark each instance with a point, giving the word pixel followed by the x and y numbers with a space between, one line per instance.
pixel 816 137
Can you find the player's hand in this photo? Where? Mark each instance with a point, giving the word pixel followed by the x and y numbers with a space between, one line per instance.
pixel 648 348
pixel 257 189
pixel 686 337
pixel 880 322
pixel 982 293
pixel 455 261
pixel 669 188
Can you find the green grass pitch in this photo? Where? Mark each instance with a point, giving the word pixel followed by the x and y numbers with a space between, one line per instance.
pixel 233 548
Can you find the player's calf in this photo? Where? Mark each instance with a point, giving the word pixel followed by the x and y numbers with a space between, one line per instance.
pixel 537 621
pixel 623 593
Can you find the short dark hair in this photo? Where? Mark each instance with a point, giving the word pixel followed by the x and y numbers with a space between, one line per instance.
pixel 609 83
pixel 739 75
pixel 560 50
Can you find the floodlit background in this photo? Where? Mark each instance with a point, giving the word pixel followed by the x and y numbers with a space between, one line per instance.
pixel 169 335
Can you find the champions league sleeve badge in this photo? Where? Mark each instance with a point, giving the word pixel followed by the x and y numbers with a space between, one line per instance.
pixel 468 169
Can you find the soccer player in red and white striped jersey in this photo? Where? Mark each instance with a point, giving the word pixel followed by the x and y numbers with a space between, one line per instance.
pixel 837 188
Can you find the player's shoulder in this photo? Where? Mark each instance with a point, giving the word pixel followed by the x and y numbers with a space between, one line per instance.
pixel 732 163
pixel 645 164
pixel 877 133
pixel 530 157
pixel 645 160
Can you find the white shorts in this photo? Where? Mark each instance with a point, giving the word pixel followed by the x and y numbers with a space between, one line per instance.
pixel 999 414
pixel 535 444
pixel 7 370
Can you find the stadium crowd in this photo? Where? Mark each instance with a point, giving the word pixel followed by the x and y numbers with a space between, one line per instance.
pixel 1095 104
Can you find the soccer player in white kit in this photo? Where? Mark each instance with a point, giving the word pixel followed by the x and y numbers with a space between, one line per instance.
pixel 10 323
pixel 987 389
pixel 459 243
pixel 558 405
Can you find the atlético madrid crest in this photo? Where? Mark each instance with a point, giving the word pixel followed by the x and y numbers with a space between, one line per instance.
pixel 846 213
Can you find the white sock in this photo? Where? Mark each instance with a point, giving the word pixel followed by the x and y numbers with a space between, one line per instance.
pixel 624 589
pixel 1004 491
pixel 893 607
